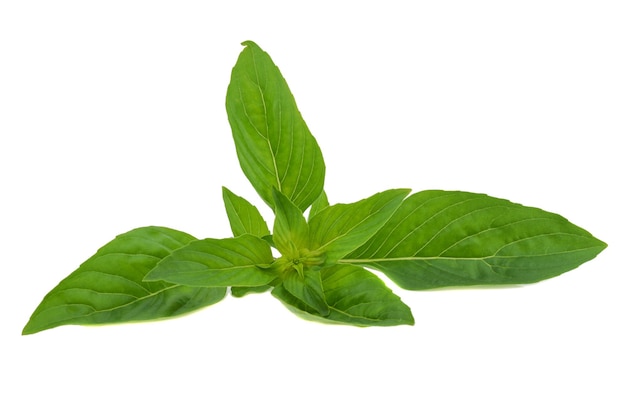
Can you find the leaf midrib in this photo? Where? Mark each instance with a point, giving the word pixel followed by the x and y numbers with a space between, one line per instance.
pixel 267 128
pixel 426 258
pixel 95 311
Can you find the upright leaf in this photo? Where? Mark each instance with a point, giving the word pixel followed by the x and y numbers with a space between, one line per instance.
pixel 319 204
pixel 240 261
pixel 244 218
pixel 355 297
pixel 339 229
pixel 452 238
pixel 291 231
pixel 109 286
pixel 274 145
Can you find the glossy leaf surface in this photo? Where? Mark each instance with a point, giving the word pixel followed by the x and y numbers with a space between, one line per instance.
pixel 274 144
pixel 355 296
pixel 109 286
pixel 452 238
pixel 341 228
pixel 244 218
pixel 239 261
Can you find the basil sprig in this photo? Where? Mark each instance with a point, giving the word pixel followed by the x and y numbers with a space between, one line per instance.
pixel 424 240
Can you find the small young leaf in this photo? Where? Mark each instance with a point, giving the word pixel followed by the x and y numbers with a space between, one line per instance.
pixel 319 204
pixel 244 218
pixel 452 238
pixel 341 228
pixel 274 145
pixel 240 261
pixel 109 286
pixel 291 231
pixel 306 285
pixel 355 297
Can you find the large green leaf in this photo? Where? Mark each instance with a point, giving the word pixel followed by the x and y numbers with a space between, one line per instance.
pixel 355 297
pixel 239 261
pixel 109 286
pixel 451 238
pixel 244 218
pixel 274 145
pixel 339 229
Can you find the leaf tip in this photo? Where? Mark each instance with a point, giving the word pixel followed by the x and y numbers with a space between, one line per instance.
pixel 32 328
pixel 250 43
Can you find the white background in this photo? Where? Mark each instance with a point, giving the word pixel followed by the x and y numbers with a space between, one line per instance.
pixel 112 117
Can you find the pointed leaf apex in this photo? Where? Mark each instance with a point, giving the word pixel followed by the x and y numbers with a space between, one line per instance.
pixel 250 43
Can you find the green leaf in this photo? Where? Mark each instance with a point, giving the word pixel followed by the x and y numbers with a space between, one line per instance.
pixel 291 231
pixel 319 204
pixel 274 146
pixel 452 238
pixel 244 218
pixel 109 286
pixel 239 261
pixel 241 291
pixel 306 285
pixel 355 297
pixel 339 229
pixel 269 239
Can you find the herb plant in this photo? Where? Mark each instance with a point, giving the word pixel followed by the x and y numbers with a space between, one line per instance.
pixel 429 239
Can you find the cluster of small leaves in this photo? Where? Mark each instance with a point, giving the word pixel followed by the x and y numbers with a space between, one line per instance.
pixel 425 240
